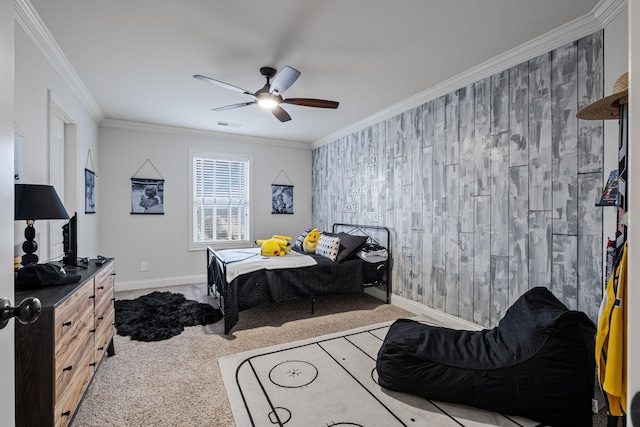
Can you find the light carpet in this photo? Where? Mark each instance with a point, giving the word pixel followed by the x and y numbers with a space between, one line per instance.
pixel 332 381
pixel 177 382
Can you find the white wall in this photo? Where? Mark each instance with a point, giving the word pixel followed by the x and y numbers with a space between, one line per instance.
pixel 618 53
pixel 615 59
pixel 622 53
pixel 35 81
pixel 162 240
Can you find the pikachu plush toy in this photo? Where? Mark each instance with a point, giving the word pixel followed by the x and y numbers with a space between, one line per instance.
pixel 275 246
pixel 311 241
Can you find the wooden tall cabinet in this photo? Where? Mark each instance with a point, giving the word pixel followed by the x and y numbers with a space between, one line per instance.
pixel 56 356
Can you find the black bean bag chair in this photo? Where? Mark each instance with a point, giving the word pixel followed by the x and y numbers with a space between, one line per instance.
pixel 537 363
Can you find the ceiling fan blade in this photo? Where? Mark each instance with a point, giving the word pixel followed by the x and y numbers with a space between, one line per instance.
pixel 284 79
pixel 310 102
pixel 280 114
pixel 233 106
pixel 223 84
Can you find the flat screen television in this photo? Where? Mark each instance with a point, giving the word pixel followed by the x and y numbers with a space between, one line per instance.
pixel 70 242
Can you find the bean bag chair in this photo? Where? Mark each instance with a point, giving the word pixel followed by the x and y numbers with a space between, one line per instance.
pixel 537 363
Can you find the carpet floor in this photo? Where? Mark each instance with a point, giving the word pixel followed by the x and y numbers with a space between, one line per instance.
pixel 177 382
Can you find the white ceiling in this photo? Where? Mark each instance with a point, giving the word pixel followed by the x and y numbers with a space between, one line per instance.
pixel 137 58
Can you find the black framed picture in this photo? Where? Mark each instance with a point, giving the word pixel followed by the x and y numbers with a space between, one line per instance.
pixel 281 199
pixel 147 196
pixel 89 191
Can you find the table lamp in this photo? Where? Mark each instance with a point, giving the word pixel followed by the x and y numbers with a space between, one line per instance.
pixel 32 202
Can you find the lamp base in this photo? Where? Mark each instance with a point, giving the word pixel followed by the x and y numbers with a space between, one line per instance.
pixel 30 245
pixel 29 259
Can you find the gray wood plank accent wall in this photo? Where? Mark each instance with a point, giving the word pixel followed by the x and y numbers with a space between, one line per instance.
pixel 488 191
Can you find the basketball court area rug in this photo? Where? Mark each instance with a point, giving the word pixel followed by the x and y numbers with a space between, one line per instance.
pixel 331 381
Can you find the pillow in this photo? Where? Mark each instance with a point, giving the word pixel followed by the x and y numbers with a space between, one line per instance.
pixel 328 246
pixel 298 243
pixel 350 244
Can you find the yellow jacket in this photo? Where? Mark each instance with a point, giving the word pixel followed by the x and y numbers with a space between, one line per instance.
pixel 611 340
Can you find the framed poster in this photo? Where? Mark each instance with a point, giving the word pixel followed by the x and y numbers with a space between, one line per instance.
pixel 281 199
pixel 89 191
pixel 147 196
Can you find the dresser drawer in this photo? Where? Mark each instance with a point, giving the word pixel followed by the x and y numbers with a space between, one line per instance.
pixel 72 391
pixel 104 331
pixel 104 287
pixel 104 305
pixel 72 317
pixel 69 306
pixel 73 365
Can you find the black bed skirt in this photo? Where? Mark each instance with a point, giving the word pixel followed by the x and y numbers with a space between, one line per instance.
pixel 269 286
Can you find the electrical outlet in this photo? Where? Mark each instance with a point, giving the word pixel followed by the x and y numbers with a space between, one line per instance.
pixel 143 266
pixel 594 406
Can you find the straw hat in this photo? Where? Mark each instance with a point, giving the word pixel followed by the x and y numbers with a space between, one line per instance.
pixel 607 108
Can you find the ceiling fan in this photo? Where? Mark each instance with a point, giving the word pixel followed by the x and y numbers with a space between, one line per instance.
pixel 270 95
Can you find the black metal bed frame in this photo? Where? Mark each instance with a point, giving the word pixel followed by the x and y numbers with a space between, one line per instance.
pixel 387 245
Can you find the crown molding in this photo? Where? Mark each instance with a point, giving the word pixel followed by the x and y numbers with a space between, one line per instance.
pixel 606 10
pixel 199 133
pixel 29 20
pixel 602 13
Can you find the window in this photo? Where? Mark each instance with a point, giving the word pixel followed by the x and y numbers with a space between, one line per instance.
pixel 220 200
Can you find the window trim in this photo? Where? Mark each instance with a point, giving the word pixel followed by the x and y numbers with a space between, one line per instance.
pixel 196 246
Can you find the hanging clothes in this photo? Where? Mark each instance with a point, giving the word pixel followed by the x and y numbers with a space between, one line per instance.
pixel 611 340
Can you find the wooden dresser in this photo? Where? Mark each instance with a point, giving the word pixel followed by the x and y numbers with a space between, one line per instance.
pixel 57 355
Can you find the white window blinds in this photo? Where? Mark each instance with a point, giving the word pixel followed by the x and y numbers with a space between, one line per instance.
pixel 220 199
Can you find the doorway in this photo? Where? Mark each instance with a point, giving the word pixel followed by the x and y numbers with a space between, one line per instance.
pixel 63 161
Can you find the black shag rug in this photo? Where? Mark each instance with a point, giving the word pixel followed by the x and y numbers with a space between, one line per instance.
pixel 161 315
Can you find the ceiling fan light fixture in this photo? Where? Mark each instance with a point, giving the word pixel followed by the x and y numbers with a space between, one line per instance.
pixel 267 103
pixel 270 95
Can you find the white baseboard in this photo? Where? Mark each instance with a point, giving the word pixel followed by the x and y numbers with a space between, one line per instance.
pixel 421 309
pixel 161 283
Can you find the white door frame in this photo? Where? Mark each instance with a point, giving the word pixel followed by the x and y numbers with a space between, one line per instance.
pixel 7 238
pixel 70 192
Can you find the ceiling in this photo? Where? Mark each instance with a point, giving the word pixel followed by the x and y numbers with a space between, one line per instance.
pixel 137 58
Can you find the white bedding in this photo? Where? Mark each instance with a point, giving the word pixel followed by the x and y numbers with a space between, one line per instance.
pixel 242 261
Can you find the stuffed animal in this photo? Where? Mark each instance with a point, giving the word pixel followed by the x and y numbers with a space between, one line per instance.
pixel 311 241
pixel 275 246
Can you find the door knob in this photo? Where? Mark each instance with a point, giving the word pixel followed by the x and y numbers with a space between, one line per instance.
pixel 27 312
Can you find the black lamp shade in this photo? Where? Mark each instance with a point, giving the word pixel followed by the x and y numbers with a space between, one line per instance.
pixel 33 201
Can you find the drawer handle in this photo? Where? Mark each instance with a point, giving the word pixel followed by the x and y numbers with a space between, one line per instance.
pixel 101 317
pixel 66 324
pixel 66 414
pixel 68 368
pixel 100 287
pixel 113 274
pixel 113 299
pixel 93 364
pixel 92 330
pixel 92 296
pixel 101 348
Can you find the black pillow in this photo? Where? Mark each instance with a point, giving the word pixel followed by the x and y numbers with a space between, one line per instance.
pixel 349 245
pixel 297 245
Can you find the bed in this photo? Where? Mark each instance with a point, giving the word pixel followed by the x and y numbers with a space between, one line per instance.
pixel 239 286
